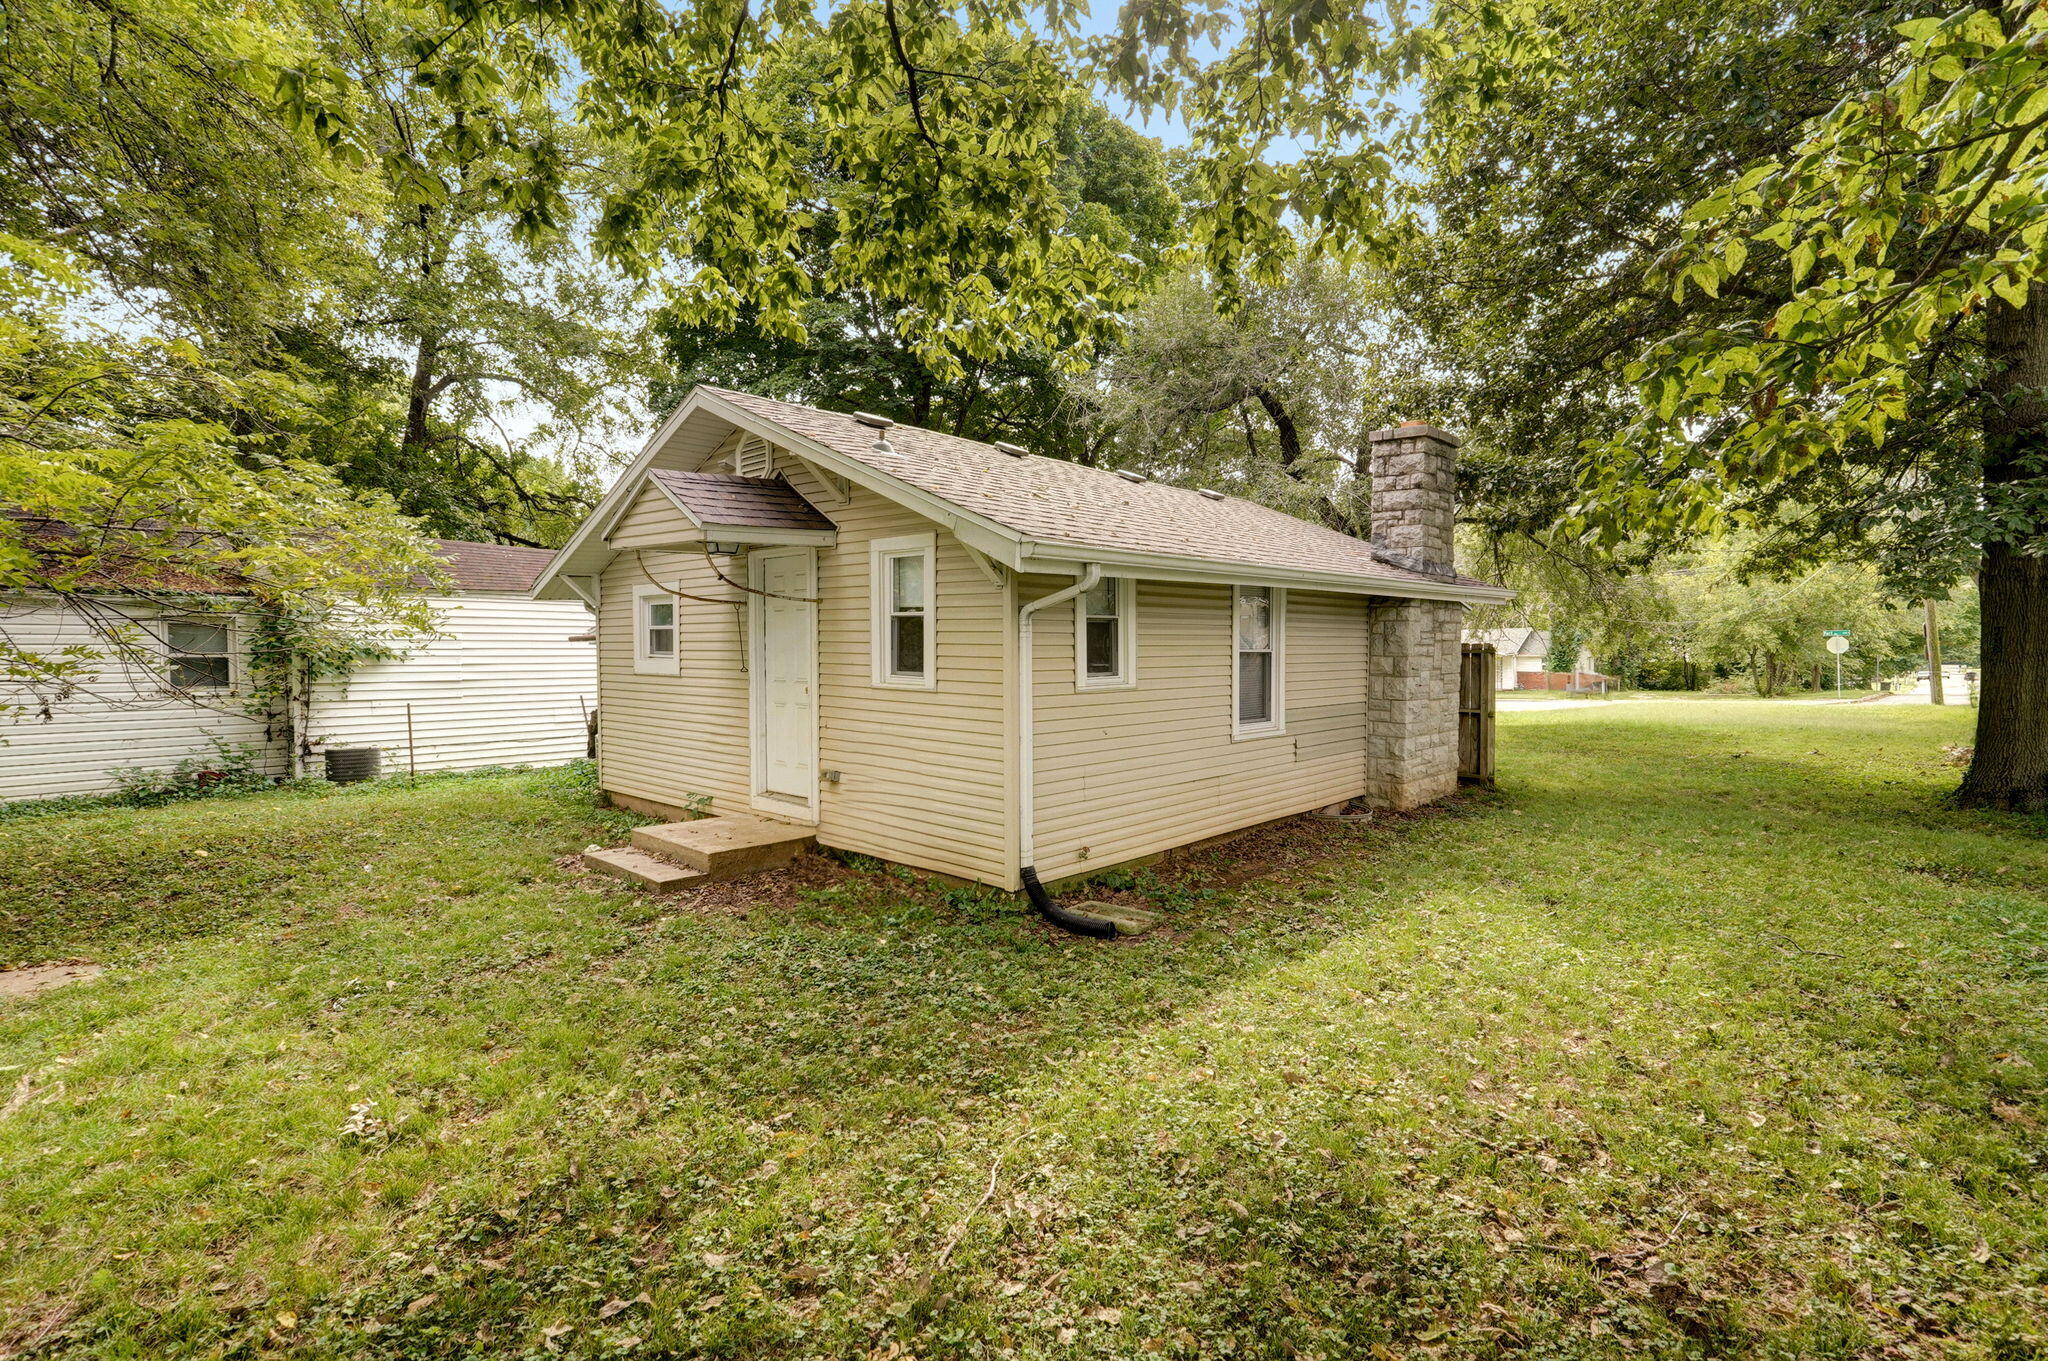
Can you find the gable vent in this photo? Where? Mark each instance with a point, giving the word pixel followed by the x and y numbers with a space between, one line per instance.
pixel 754 457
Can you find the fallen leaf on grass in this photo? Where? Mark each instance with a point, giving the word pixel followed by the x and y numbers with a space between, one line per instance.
pixel 423 1302
pixel 1105 1314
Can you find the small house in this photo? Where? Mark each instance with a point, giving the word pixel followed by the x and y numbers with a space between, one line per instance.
pixel 979 661
pixel 1522 661
pixel 504 681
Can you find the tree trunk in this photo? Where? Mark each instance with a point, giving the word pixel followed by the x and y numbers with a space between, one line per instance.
pixel 2010 766
pixel 1283 426
pixel 419 396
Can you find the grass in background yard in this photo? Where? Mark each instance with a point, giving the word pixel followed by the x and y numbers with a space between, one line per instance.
pixel 1712 1034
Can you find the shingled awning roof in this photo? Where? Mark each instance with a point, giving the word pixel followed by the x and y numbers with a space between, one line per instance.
pixel 727 500
pixel 1054 501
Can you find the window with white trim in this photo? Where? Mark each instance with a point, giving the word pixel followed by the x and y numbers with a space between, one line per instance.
pixel 201 654
pixel 1105 635
pixel 654 631
pixel 904 615
pixel 1259 624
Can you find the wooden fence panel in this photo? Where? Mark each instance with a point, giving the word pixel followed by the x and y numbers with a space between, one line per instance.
pixel 1475 714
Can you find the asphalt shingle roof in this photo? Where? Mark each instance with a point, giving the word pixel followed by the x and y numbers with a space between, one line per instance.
pixel 1056 501
pixel 492 566
pixel 729 499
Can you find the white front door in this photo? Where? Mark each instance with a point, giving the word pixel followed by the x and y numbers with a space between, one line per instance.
pixel 785 729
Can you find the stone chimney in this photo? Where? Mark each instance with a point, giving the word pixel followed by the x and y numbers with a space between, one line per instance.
pixel 1414 469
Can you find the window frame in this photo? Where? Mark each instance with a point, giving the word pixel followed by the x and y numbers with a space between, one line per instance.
pixel 1275 722
pixel 883 554
pixel 1126 674
pixel 648 663
pixel 229 625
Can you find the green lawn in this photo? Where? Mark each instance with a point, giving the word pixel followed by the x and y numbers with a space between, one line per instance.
pixel 1711 1034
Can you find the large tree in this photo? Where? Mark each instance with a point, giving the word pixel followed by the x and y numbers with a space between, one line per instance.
pixel 1272 400
pixel 859 347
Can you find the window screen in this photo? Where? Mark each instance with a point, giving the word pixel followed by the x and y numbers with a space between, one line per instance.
pixel 1103 632
pixel 200 654
pixel 907 614
pixel 660 628
pixel 1254 655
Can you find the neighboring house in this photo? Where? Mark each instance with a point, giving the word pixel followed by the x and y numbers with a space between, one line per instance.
pixel 501 684
pixel 1521 656
pixel 971 659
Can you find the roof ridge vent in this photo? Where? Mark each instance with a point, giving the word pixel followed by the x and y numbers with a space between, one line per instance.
pixel 1209 492
pixel 871 419
pixel 1127 475
pixel 1013 450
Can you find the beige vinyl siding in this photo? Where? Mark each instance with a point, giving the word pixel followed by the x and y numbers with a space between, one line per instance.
pixel 674 738
pixel 650 522
pixel 1125 773
pixel 924 775
pixel 119 718
pixel 501 685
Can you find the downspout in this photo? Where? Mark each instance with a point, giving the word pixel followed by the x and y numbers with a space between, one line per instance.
pixel 1027 795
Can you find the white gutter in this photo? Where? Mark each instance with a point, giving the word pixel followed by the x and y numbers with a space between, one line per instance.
pixel 1027 794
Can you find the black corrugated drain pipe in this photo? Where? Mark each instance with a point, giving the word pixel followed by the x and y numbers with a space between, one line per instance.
pixel 1027 801
pixel 1059 916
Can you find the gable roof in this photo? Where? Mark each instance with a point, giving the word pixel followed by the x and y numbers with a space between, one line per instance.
pixel 1029 513
pixel 729 499
pixel 1514 642
pixel 471 566
pixel 1058 501
pixel 492 566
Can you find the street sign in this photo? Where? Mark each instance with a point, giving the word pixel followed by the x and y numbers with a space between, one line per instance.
pixel 1838 643
pixel 1834 633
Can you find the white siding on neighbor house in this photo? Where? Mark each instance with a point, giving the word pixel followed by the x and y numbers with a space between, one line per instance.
pixel 502 686
pixel 1124 773
pixel 121 719
pixel 924 773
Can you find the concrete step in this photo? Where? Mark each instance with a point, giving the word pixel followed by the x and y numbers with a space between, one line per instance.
pixel 650 872
pixel 724 847
pixel 1128 921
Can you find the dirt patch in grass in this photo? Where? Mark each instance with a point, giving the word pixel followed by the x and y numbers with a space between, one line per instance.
pixel 43 977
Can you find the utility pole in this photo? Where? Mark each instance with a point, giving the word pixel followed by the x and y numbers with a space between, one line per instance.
pixel 1933 631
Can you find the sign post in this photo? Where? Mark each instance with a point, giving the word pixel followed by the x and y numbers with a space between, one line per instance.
pixel 1838 643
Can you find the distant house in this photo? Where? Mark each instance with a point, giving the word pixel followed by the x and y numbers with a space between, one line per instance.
pixel 503 683
pixel 980 661
pixel 1522 661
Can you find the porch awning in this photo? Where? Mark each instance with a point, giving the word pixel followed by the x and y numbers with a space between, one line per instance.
pixel 733 509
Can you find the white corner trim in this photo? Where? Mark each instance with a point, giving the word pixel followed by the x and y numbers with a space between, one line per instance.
pixel 644 664
pixel 1276 726
pixel 1126 642
pixel 881 552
